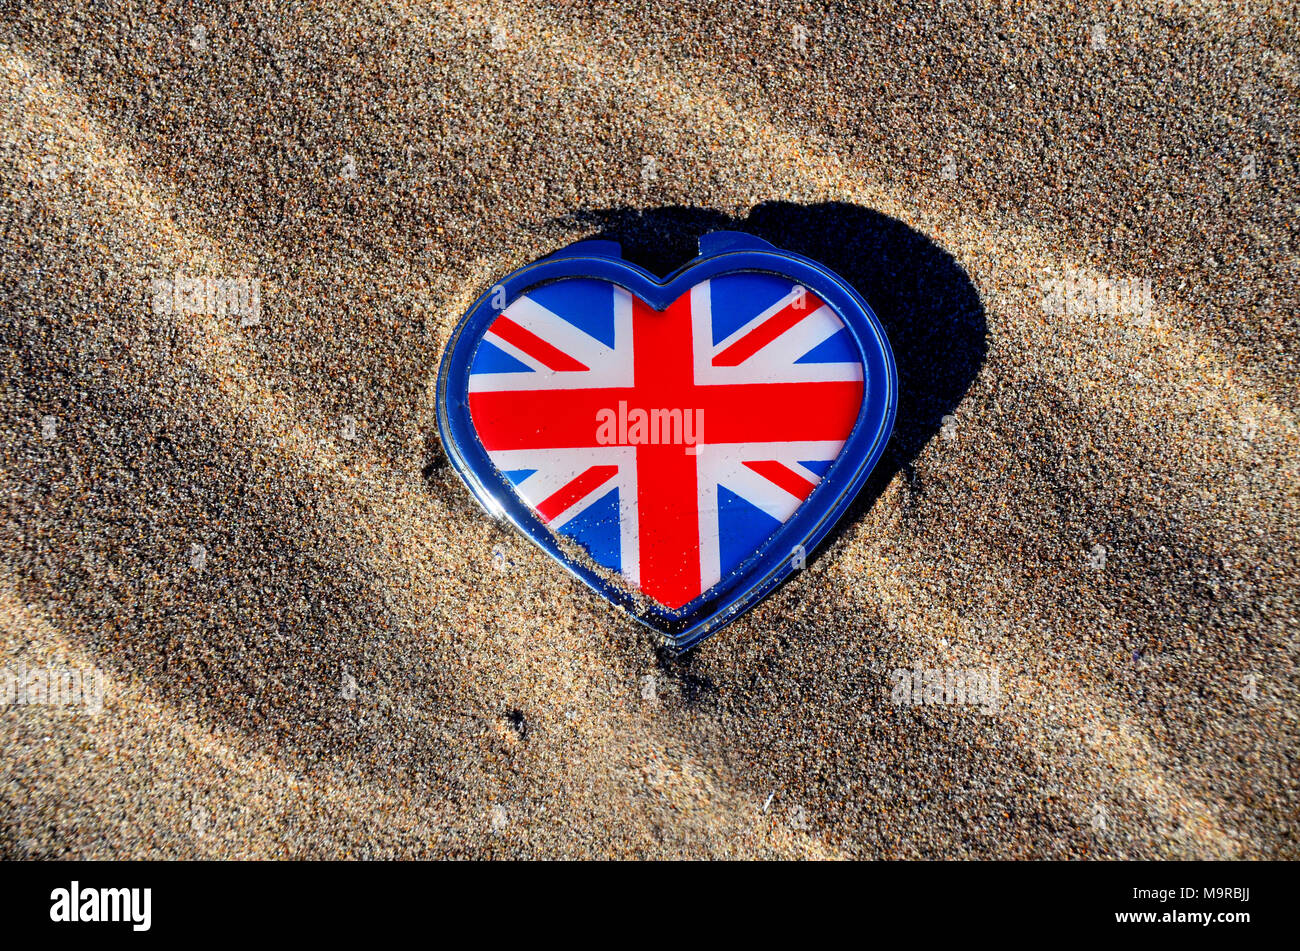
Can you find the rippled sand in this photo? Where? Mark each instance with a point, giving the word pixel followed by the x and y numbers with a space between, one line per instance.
pixel 250 528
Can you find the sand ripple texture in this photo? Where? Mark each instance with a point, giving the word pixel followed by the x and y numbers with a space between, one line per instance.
pixel 313 644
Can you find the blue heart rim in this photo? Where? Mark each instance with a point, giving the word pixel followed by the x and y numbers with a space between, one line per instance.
pixel 772 562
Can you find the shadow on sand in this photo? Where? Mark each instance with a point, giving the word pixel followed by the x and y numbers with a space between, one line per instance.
pixel 930 310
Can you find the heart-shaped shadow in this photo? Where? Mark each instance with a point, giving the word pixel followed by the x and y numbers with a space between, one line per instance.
pixel 929 308
pixel 874 254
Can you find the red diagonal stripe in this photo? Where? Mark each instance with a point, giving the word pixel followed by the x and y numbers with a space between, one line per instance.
pixel 575 490
pixel 784 476
pixel 533 345
pixel 767 331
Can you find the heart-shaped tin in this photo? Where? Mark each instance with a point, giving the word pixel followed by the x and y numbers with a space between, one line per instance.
pixel 679 444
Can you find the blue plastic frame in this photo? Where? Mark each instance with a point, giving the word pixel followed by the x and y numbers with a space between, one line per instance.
pixel 722 252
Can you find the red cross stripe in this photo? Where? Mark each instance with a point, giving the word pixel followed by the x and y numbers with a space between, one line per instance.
pixel 743 414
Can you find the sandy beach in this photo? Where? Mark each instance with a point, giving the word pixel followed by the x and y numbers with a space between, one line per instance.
pixel 237 240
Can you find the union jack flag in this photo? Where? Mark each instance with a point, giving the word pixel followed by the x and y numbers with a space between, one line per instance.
pixel 747 385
